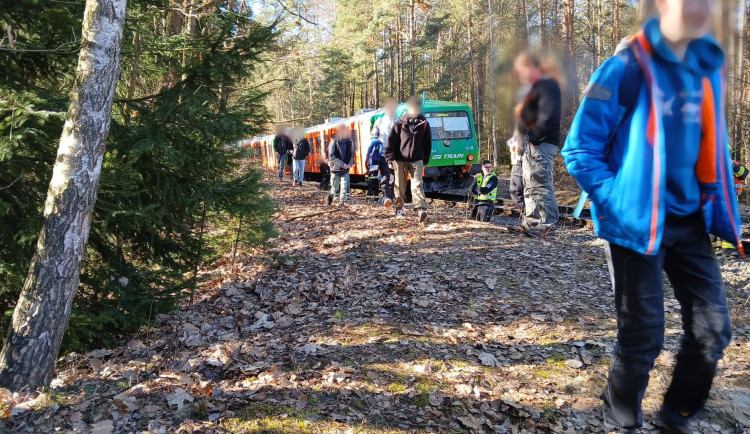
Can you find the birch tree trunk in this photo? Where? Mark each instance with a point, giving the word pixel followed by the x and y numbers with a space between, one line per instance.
pixel 43 310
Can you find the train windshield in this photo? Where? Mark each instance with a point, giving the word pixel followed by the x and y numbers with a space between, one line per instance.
pixel 449 125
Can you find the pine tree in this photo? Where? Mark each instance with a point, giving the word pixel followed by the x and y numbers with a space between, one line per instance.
pixel 170 172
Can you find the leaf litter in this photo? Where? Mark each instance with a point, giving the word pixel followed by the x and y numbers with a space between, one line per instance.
pixel 352 321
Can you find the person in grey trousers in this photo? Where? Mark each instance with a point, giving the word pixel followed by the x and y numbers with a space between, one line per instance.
pixel 341 156
pixel 539 114
pixel 282 145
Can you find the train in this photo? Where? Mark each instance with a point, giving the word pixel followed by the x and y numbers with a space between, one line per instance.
pixel 455 149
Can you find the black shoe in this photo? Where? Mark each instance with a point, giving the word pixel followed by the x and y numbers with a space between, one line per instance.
pixel 329 200
pixel 672 422
pixel 422 216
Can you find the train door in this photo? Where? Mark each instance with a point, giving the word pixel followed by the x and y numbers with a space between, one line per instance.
pixel 359 166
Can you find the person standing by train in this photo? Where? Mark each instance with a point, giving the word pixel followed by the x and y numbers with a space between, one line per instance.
pixel 657 169
pixel 539 115
pixel 300 151
pixel 380 131
pixel 484 192
pixel 282 146
pixel 408 150
pixel 341 158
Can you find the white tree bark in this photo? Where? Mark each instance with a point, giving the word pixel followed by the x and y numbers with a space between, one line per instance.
pixel 43 310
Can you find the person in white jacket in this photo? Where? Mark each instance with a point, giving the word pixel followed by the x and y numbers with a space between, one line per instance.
pixel 380 130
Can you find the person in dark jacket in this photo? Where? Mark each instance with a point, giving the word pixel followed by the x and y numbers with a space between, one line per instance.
pixel 484 193
pixel 282 146
pixel 341 157
pixel 300 151
pixel 408 151
pixel 539 116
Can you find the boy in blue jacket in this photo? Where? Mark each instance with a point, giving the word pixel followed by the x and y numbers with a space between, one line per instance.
pixel 657 168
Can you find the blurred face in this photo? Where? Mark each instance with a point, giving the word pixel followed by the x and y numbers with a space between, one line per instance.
pixel 342 132
pixel 414 109
pixel 685 19
pixel 390 109
pixel 487 168
pixel 279 130
pixel 526 74
pixel 299 133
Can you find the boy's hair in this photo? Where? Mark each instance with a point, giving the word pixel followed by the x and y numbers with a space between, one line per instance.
pixel 486 162
pixel 390 100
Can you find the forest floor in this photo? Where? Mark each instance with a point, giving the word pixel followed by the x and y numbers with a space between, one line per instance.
pixel 353 321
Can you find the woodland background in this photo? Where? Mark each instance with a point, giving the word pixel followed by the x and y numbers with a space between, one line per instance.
pixel 199 75
pixel 336 57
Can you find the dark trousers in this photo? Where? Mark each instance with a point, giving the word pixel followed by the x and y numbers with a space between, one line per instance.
pixel 386 181
pixel 687 258
pixel 482 210
pixel 516 186
pixel 372 184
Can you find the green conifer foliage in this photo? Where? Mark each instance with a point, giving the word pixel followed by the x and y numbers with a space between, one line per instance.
pixel 171 175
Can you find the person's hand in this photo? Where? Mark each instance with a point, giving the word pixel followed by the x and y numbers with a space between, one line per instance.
pixel 390 164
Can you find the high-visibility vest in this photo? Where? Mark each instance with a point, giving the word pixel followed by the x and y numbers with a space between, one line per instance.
pixel 482 181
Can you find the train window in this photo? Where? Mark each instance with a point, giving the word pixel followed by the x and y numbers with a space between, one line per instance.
pixel 449 125
pixel 354 139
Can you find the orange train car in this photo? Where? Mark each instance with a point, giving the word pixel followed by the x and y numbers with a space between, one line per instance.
pixel 455 151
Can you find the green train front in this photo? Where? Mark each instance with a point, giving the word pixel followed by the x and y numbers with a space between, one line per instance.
pixel 454 143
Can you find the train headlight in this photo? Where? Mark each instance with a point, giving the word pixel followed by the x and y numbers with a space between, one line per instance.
pixel 447 143
pixel 470 157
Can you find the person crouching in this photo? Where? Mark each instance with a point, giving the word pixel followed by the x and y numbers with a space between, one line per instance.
pixel 341 157
pixel 484 193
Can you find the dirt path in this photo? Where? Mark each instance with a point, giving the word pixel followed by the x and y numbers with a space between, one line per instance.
pixel 356 322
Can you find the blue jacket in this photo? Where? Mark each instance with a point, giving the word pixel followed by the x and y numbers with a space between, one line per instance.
pixel 625 172
pixel 375 154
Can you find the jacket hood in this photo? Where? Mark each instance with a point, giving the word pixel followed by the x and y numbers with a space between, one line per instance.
pixel 704 54
pixel 405 119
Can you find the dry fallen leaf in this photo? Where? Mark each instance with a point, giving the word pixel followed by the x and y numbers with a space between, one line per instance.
pixel 178 398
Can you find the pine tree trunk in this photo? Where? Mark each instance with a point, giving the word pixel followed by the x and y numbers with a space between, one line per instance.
pixel 542 21
pixel 472 66
pixel 599 28
pixel 399 60
pixel 412 84
pixel 493 88
pixel 616 32
pixel 570 66
pixel 43 310
pixel 376 88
